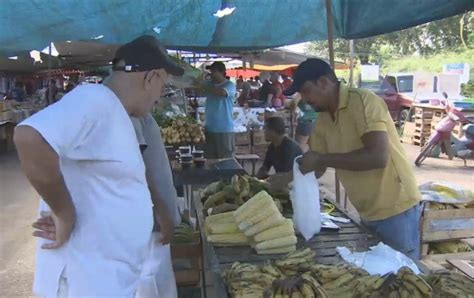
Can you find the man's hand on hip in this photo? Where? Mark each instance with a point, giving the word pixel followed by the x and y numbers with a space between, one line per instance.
pixel 166 228
pixel 57 228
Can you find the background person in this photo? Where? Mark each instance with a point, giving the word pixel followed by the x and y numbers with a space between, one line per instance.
pixel 219 127
pixel 282 150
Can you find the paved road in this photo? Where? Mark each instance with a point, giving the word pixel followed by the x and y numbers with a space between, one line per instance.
pixel 18 203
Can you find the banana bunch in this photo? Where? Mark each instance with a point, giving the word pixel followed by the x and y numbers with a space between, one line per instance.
pixel 448 284
pixel 344 280
pixel 446 247
pixel 404 284
pixel 296 262
pixel 183 233
pixel 235 193
pixel 248 280
pixel 303 286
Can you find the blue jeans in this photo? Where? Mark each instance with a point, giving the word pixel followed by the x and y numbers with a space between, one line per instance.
pixel 401 232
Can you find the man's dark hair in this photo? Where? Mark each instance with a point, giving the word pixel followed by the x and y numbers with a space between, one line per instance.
pixel 276 124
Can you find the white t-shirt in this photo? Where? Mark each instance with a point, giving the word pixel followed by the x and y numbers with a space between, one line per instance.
pixel 104 172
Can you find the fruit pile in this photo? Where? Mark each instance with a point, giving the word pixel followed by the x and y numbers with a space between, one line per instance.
pixel 183 233
pixel 223 196
pixel 446 247
pixel 258 222
pixel 297 275
pixel 181 130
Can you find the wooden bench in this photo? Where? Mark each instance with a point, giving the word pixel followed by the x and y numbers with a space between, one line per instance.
pixel 253 158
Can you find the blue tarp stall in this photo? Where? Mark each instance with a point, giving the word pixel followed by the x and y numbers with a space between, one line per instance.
pixel 190 24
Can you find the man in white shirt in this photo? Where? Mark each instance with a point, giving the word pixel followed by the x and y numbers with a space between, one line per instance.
pixel 82 156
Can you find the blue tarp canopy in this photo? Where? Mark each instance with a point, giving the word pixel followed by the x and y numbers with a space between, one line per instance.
pixel 191 25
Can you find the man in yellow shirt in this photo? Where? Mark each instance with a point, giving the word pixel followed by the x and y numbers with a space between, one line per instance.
pixel 355 134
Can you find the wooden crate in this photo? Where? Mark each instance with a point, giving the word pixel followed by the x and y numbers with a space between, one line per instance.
pixel 190 255
pixel 260 150
pixel 242 149
pixel 408 132
pixel 428 235
pixel 242 138
pixel 258 137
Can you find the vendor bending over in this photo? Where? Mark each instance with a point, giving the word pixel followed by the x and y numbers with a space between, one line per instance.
pixel 355 134
pixel 282 150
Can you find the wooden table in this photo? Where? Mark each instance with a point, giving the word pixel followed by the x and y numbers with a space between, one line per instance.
pixel 217 259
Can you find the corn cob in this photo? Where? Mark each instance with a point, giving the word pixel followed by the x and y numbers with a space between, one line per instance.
pixel 252 205
pixel 282 230
pixel 259 215
pixel 221 218
pixel 264 225
pixel 276 243
pixel 278 250
pixel 234 238
pixel 223 228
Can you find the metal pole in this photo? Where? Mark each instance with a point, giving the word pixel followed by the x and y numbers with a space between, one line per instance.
pixel 351 66
pixel 329 20
pixel 330 32
pixel 49 100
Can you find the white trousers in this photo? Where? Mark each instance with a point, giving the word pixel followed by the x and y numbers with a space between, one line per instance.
pixel 157 278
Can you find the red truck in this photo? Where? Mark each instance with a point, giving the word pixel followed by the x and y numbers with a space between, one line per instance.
pixel 397 92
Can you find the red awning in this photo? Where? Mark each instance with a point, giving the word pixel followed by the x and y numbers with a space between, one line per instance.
pixel 246 74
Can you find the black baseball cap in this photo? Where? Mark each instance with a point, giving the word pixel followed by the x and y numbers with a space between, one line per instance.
pixel 311 69
pixel 219 66
pixel 144 54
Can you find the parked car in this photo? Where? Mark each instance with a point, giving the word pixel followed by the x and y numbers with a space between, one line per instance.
pixel 395 90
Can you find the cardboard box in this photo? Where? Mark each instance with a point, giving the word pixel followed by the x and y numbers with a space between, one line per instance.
pixel 242 138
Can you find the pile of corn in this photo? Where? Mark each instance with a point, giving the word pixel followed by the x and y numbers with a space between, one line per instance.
pixel 258 222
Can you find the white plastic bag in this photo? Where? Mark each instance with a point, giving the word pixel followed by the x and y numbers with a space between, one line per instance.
pixel 305 200
pixel 157 278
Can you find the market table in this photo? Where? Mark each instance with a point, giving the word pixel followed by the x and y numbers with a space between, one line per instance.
pixel 217 259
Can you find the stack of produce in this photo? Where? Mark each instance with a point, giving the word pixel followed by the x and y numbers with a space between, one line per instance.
pixel 446 247
pixel 221 230
pixel 298 275
pixel 183 233
pixel 348 281
pixel 182 130
pixel 261 219
pixel 270 280
pixel 447 284
pixel 224 196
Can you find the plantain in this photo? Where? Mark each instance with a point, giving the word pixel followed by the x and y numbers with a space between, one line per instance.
pixel 406 274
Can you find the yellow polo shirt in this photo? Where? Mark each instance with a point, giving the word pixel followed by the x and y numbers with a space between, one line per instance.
pixel 376 194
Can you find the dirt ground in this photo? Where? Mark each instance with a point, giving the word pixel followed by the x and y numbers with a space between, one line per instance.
pixel 19 202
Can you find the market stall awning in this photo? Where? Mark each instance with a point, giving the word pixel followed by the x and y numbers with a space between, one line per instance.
pixel 245 73
pixel 201 24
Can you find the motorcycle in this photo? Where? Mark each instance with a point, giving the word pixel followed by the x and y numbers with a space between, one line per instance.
pixel 462 148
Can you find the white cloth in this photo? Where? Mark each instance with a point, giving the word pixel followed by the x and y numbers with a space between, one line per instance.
pixel 157 280
pixel 104 172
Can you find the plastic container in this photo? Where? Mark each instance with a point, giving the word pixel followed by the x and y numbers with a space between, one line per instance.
pixel 186 158
pixel 198 154
pixel 184 150
pixel 199 162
